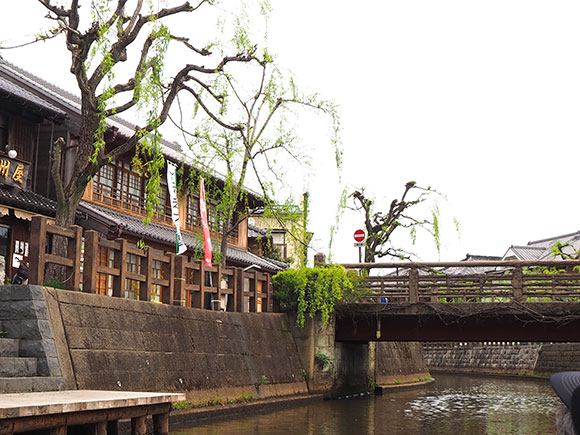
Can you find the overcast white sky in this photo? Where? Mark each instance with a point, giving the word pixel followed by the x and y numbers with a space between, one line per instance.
pixel 480 100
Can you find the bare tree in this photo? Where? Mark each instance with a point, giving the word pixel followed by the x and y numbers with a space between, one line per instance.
pixel 381 226
pixel 96 51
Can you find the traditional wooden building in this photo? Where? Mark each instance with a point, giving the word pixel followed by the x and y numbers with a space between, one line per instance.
pixel 33 113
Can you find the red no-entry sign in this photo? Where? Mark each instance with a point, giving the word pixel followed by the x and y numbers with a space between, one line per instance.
pixel 359 235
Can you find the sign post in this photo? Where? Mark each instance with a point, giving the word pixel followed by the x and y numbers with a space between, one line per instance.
pixel 359 237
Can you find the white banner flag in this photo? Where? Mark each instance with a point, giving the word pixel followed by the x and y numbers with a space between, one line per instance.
pixel 180 246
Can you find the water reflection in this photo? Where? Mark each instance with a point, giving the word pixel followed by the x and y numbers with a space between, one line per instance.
pixel 452 405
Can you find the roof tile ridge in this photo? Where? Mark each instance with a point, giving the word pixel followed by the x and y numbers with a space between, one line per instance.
pixel 39 81
pixel 577 233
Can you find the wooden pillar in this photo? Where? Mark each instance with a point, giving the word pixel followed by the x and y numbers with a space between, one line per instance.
pixel 61 430
pixel 179 281
pixel 139 425
pixel 199 298
pixel 147 270
pixel 254 298
pixel 37 249
pixel 270 302
pixel 161 424
pixel 219 284
pixel 236 289
pixel 518 284
pixel 168 273
pixel 74 253
pixel 91 260
pixel 240 290
pixel 121 265
pixel 100 428
pixel 413 285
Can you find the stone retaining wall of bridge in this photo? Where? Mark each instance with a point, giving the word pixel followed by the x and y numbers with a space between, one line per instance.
pixel 503 358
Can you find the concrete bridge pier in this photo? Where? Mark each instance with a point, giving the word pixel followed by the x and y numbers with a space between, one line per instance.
pixel 337 368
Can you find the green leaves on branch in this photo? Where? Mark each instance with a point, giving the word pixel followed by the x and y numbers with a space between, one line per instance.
pixel 312 291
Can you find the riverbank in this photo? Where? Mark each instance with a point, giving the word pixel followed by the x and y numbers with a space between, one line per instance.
pixel 184 417
pixel 534 377
pixel 494 405
pixel 533 360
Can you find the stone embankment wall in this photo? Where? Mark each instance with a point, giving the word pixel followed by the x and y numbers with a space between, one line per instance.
pixel 99 342
pixel 119 344
pixel 399 362
pixel 503 358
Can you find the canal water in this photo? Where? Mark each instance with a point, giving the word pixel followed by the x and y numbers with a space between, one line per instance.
pixel 453 404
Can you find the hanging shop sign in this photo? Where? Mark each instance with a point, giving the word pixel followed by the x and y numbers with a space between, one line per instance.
pixel 13 172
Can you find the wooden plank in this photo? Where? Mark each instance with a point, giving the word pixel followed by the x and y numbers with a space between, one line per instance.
pixel 38 246
pixel 74 251
pixel 269 301
pixel 91 262
pixel 199 297
pixel 179 281
pixel 69 233
pixel 168 289
pixel 413 286
pixel 191 287
pixel 105 270
pixel 162 282
pixel 55 259
pixel 236 289
pixel 136 277
pixel 120 263
pixel 110 244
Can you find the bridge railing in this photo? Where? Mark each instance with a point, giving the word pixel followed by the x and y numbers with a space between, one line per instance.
pixel 470 281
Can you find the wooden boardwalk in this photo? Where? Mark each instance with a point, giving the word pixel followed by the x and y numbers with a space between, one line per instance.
pixel 99 410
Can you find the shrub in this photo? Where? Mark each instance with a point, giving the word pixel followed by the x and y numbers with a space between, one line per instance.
pixel 311 291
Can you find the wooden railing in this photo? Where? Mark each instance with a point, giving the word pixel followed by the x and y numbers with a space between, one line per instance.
pixel 181 282
pixel 470 281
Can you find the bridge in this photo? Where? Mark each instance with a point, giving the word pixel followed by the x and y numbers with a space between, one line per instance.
pixel 464 301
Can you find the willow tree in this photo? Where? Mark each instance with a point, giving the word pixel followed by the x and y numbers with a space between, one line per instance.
pixel 99 42
pixel 249 129
pixel 380 225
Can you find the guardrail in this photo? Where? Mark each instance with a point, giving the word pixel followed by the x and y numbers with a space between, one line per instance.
pixel 120 269
pixel 470 281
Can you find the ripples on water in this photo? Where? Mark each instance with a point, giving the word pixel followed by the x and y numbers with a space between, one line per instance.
pixel 452 405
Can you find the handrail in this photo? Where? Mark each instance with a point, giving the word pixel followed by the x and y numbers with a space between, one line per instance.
pixel 503 281
pixel 105 269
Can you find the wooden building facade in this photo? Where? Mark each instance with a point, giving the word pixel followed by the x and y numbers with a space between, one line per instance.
pixel 33 113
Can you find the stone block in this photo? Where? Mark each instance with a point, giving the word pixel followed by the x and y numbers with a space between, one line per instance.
pixel 5 292
pixel 8 347
pixel 16 366
pixel 27 292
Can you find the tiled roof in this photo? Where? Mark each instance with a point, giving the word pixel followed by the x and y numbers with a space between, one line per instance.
pixel 135 225
pixel 255 232
pixel 549 242
pixel 72 103
pixel 526 253
pixel 26 200
pixel 21 94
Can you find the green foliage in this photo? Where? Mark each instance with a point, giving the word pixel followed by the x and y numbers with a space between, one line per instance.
pixel 54 282
pixel 371 383
pixel 311 291
pixel 322 359
pixel 565 251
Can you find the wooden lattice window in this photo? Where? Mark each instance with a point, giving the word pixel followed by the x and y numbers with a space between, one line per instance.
pixel 118 185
